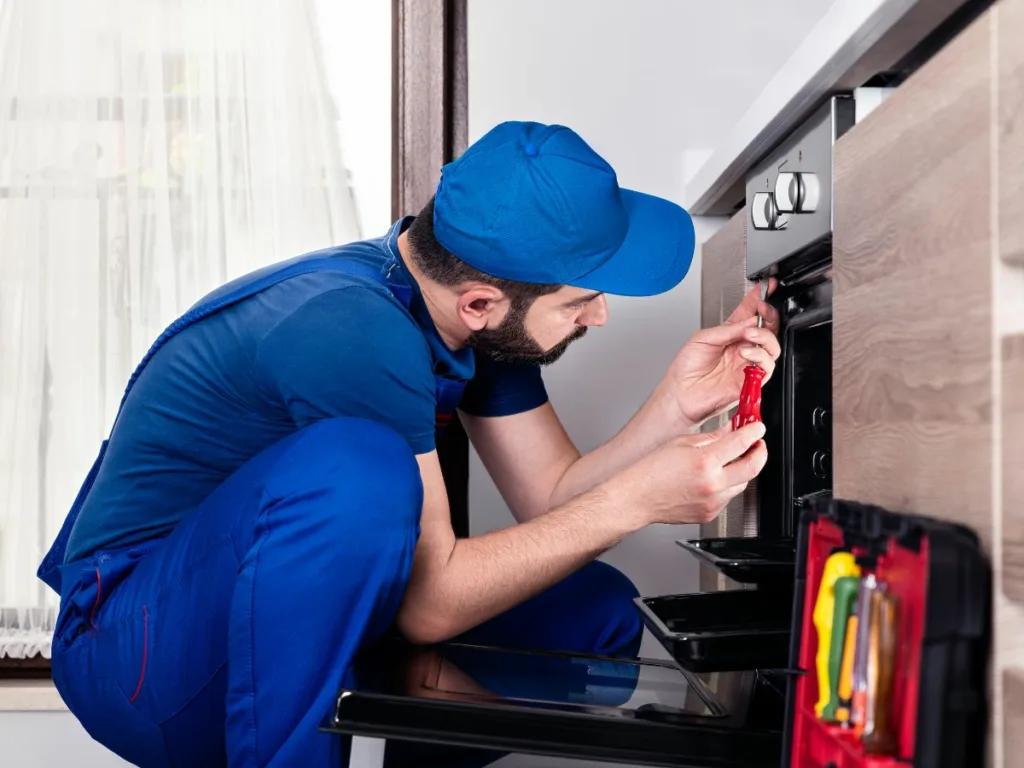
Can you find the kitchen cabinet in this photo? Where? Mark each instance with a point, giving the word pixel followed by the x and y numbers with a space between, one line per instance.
pixel 1009 282
pixel 929 304
pixel 912 372
pixel 1009 113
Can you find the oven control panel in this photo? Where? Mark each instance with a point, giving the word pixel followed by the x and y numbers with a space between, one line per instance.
pixel 789 194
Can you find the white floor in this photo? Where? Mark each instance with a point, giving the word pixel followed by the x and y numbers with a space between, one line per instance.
pixel 48 739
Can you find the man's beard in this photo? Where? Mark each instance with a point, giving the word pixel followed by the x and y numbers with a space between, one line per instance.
pixel 511 343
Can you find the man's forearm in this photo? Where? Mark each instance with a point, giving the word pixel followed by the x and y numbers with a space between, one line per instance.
pixel 652 426
pixel 487 575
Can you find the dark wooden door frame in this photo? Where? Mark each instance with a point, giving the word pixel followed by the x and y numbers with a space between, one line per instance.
pixel 429 128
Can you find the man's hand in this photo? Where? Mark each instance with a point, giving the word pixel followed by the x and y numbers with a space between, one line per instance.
pixel 706 377
pixel 692 478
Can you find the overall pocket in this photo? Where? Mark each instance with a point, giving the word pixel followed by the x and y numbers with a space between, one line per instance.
pixel 103 708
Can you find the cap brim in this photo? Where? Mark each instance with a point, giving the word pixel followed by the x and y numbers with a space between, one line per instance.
pixel 654 257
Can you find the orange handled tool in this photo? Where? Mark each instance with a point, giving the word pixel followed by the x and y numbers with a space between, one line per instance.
pixel 846 673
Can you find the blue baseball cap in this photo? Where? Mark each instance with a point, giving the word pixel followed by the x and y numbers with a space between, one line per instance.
pixel 534 203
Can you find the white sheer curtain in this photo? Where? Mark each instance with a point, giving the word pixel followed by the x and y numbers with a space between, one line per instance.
pixel 149 150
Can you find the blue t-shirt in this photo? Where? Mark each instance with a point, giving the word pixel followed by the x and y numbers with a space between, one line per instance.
pixel 314 346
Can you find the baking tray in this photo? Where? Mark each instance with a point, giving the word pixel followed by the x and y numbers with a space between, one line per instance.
pixel 722 631
pixel 748 560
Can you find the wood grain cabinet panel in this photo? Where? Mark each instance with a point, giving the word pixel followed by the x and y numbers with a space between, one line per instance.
pixel 723 271
pixel 1010 42
pixel 1013 467
pixel 1013 734
pixel 912 369
pixel 1010 304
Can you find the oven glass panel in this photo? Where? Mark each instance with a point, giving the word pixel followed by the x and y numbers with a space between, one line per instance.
pixel 620 688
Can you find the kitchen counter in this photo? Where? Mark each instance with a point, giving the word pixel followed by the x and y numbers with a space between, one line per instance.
pixel 30 696
pixel 854 41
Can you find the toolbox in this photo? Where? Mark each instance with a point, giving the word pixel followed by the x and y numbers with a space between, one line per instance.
pixel 932 689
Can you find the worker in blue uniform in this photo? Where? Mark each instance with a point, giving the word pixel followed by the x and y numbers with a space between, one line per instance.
pixel 270 499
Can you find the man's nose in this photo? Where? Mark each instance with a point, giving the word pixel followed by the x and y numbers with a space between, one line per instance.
pixel 596 313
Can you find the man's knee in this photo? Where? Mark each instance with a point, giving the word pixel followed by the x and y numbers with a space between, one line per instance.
pixel 610 582
pixel 352 466
pixel 607 596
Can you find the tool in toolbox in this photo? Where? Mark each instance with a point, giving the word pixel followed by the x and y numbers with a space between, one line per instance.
pixel 842 713
pixel 846 589
pixel 878 736
pixel 749 409
pixel 839 564
pixel 868 585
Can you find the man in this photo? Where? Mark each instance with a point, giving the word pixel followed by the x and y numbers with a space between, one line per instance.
pixel 270 499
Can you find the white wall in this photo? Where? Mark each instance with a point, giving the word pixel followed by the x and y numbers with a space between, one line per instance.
pixel 650 85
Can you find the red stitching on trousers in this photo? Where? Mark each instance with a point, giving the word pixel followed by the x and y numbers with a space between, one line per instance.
pixel 96 603
pixel 145 653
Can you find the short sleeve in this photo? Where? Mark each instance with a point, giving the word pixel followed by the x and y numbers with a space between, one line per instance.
pixel 503 389
pixel 352 352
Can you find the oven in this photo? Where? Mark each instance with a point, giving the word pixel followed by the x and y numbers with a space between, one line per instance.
pixel 789 239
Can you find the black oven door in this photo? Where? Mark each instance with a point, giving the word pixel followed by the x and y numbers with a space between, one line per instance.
pixel 428 701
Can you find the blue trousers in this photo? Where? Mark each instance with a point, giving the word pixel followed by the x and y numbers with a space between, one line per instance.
pixel 226 642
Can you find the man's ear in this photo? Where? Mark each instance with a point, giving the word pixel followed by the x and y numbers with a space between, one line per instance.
pixel 481 306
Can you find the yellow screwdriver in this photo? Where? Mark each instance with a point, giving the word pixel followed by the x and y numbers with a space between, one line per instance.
pixel 839 564
pixel 845 597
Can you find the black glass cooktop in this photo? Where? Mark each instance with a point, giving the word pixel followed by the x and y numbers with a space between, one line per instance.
pixel 641 711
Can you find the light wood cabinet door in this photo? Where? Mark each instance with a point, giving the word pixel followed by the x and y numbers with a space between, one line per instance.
pixel 929 316
pixel 912 370
pixel 1008 164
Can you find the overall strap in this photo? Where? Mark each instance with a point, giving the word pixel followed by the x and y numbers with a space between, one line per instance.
pixel 246 287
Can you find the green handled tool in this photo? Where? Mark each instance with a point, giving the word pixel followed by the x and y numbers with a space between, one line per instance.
pixel 845 602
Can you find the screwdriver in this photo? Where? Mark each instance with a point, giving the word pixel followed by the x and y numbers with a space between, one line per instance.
pixel 838 565
pixel 879 737
pixel 845 598
pixel 749 409
pixel 846 673
pixel 868 585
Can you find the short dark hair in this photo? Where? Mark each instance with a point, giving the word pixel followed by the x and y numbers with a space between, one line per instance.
pixel 442 266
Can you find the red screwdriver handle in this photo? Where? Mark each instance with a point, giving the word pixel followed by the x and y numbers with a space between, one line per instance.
pixel 750 398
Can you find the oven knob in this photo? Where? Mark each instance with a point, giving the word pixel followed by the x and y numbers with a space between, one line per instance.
pixel 821 464
pixel 764 214
pixel 820 419
pixel 797 192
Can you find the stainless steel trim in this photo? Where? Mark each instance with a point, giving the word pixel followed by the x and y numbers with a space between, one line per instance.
pixel 890 34
pixel 808 152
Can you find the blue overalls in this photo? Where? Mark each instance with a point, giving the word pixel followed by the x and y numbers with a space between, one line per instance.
pixel 225 642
